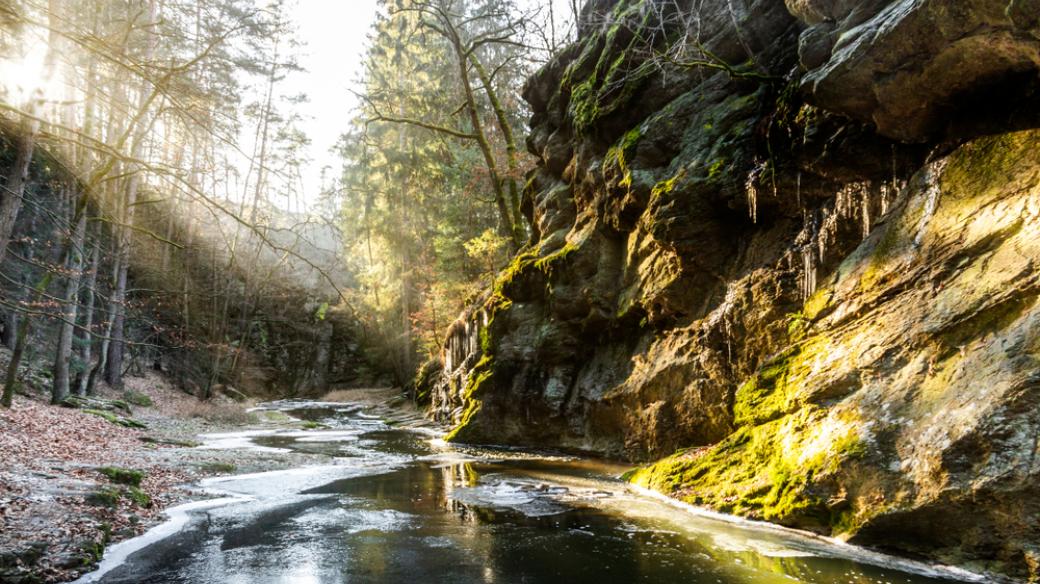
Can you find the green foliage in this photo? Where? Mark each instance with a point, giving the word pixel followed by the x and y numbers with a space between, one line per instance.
pixel 105 497
pixel 139 497
pixel 319 314
pixel 122 476
pixel 419 220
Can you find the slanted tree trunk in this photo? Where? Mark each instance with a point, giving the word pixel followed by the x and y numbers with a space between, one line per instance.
pixel 14 317
pixel 11 196
pixel 511 150
pixel 74 265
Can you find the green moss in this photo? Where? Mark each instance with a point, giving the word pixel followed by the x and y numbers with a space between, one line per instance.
pixel 312 425
pixel 118 420
pixel 613 81
pixel 765 472
pixel 620 155
pixel 716 168
pixel 797 325
pixel 546 263
pixel 817 303
pixel 777 386
pixel 479 376
pixel 665 187
pixel 139 497
pixel 123 476
pixel 105 497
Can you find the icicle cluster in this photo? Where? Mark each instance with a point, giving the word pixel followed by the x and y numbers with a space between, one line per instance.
pixel 933 174
pixel 463 341
pixel 751 189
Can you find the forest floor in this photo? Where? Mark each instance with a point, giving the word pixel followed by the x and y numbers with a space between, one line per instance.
pixel 65 493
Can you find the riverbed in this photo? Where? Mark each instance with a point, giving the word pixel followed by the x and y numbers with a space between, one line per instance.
pixel 392 504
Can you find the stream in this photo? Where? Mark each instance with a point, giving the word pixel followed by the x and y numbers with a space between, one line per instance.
pixel 397 505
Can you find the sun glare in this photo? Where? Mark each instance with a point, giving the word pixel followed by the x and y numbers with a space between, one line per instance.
pixel 23 74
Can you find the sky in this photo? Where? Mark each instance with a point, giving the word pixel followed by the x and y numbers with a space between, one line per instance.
pixel 335 33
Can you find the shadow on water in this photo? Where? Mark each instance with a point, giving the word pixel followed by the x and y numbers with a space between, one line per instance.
pixel 419 511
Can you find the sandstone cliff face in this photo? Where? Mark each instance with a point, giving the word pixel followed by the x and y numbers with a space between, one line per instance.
pixel 796 259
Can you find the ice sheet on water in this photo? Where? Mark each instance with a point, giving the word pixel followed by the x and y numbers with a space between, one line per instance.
pixel 527 497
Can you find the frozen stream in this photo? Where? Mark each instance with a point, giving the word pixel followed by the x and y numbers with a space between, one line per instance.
pixel 399 506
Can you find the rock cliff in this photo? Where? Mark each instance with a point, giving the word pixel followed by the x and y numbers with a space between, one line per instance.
pixel 788 252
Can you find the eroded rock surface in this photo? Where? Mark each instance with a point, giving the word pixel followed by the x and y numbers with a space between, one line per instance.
pixel 795 251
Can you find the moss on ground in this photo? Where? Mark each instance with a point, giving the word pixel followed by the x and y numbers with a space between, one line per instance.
pixel 115 419
pixel 139 497
pixel 122 476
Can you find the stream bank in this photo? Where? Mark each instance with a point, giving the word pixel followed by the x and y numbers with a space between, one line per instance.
pixel 69 482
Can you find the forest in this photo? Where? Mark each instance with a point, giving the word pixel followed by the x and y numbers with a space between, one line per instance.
pixel 519 291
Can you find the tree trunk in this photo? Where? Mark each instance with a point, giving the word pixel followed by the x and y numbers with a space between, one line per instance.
pixel 507 228
pixel 39 290
pixel 511 150
pixel 106 335
pixel 60 380
pixel 87 337
pixel 11 201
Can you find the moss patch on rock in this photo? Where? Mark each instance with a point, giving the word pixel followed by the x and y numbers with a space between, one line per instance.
pixel 764 472
pixel 775 389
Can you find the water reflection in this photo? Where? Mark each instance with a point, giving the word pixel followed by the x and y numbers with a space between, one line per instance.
pixel 395 506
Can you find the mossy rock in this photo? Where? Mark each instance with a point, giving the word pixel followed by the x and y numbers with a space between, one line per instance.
pixel 118 420
pixel 769 472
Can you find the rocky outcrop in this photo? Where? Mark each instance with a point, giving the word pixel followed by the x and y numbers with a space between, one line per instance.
pixel 782 247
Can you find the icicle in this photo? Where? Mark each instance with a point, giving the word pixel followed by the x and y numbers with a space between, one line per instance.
pixel 931 203
pixel 808 272
pixel 729 336
pixel 865 198
pixel 895 179
pixel 798 189
pixel 884 198
pixel 752 196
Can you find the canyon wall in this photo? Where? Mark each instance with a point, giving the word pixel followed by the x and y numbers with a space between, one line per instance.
pixel 785 253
